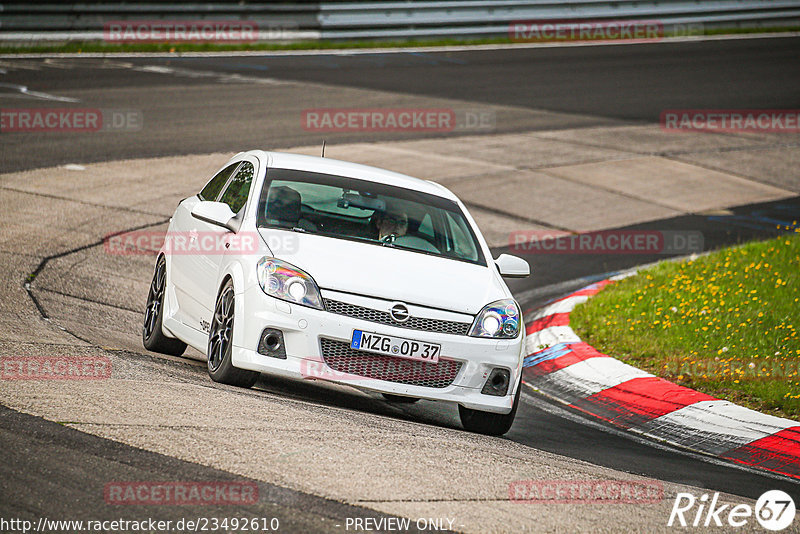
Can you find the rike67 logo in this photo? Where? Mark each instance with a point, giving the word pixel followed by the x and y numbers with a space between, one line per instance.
pixel 775 510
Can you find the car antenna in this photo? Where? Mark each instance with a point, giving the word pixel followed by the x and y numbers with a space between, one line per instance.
pixel 323 148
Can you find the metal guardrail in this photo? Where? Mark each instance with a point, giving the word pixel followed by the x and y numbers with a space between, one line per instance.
pixel 385 20
pixel 92 17
pixel 487 18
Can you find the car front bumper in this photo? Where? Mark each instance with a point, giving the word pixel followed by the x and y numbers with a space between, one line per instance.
pixel 309 335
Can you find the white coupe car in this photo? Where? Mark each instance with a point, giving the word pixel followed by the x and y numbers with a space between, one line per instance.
pixel 314 268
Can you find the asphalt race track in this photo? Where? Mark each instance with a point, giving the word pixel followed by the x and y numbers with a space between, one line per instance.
pixel 584 96
pixel 585 86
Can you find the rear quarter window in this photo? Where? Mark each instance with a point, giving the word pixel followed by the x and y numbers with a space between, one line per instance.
pixel 235 195
pixel 215 185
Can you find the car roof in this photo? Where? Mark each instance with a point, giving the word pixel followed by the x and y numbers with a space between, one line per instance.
pixel 284 160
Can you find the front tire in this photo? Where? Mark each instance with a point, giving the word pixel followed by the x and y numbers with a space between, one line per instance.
pixel 153 337
pixel 220 343
pixel 491 424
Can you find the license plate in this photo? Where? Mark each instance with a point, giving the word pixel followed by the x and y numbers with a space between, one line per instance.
pixel 395 346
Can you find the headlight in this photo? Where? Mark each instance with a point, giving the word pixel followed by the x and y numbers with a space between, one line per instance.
pixel 286 282
pixel 499 319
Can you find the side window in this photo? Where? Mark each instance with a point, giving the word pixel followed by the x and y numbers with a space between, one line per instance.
pixel 236 193
pixel 462 243
pixel 215 185
pixel 426 226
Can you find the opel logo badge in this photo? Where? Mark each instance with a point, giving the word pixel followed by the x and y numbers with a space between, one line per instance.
pixel 399 313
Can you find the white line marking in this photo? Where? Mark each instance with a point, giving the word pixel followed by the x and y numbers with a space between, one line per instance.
pixel 37 94
pixel 222 77
pixel 155 68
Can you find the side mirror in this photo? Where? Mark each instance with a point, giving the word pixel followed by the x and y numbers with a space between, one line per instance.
pixel 512 266
pixel 217 213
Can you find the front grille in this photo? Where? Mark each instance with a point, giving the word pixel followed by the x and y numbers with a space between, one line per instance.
pixel 340 357
pixel 382 317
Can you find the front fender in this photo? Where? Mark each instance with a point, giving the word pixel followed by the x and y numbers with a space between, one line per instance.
pixel 235 271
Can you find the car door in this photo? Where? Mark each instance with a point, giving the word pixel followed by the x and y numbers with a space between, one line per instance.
pixel 213 238
pixel 183 250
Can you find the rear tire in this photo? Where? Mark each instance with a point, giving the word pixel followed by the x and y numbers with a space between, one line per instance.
pixel 153 337
pixel 399 399
pixel 220 344
pixel 491 424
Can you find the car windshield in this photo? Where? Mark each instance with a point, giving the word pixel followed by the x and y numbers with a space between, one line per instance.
pixel 384 215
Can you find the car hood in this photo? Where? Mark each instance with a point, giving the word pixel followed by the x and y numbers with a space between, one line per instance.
pixel 388 273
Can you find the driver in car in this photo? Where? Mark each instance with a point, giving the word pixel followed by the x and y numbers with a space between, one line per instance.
pixel 391 222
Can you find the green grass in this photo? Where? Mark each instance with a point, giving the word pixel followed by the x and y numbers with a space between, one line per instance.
pixel 725 324
pixel 101 47
pixel 77 47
